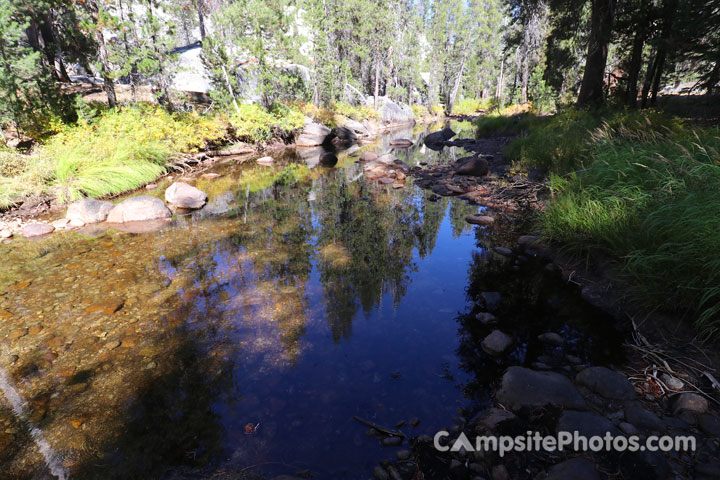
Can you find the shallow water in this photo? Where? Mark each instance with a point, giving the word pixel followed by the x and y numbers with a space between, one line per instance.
pixel 249 333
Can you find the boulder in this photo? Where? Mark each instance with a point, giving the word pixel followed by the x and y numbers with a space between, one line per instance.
pixel 184 195
pixel 497 342
pixel 37 229
pixel 328 159
pixel 89 210
pixel 491 419
pixel 265 161
pixel 439 138
pixel 587 424
pixel 353 125
pixel 551 338
pixel 477 167
pixel 607 383
pixel 522 387
pixel 644 419
pixel 313 134
pixel 573 469
pixel 340 136
pixel 139 209
pixel 392 113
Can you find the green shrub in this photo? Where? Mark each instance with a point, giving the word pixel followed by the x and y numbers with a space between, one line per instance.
pixel 470 106
pixel 359 113
pixel 419 111
pixel 255 124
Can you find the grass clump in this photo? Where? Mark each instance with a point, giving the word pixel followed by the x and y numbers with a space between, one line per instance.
pixel 471 106
pixel 254 124
pixel 420 111
pixel 642 188
pixel 22 176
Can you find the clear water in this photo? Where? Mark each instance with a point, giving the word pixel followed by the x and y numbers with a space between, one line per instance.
pixel 251 332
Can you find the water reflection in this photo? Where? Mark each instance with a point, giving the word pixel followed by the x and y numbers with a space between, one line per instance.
pixel 250 332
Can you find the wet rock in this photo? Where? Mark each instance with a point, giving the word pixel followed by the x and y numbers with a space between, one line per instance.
pixel 107 307
pixel 380 474
pixel 628 428
pixel 586 423
pixel 414 422
pixel 403 455
pixel 497 342
pixel 607 383
pixel 573 469
pixel 644 465
pixel 138 209
pixel 492 300
pixel 690 402
pixel 522 387
pixel 341 136
pixel 184 195
pixel 709 424
pixel 486 318
pixel 89 210
pixel 313 134
pixel 672 382
pixel 504 251
pixel 477 167
pixel 644 419
pixel 457 469
pixel 391 441
pixel 528 240
pixel 265 161
pixel 479 220
pixel 37 229
pixel 551 338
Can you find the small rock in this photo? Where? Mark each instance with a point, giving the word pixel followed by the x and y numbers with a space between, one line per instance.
pixel 401 142
pixel 504 251
pixel 380 474
pixel 486 318
pixel 60 223
pixel 607 383
pixel 477 167
pixel 77 223
pixel 368 156
pixel 551 338
pixel 113 345
pixel 672 382
pixel 690 402
pixel 18 333
pixel 403 455
pixel 497 342
pixel 391 441
pixel 150 186
pixel 528 240
pixel 492 418
pixel 414 422
pixel 210 175
pixel 88 210
pixel 479 220
pixel 37 229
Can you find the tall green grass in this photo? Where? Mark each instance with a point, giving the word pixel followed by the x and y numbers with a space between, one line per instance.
pixel 644 189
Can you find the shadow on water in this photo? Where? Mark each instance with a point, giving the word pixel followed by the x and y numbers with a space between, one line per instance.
pixel 252 331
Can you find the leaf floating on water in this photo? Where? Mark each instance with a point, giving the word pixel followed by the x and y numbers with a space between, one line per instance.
pixel 251 429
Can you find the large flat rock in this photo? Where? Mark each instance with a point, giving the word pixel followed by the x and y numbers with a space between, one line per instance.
pixel 607 383
pixel 89 210
pixel 522 387
pixel 139 209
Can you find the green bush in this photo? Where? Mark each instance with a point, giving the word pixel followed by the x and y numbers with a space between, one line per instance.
pixel 470 106
pixel 420 111
pixel 255 124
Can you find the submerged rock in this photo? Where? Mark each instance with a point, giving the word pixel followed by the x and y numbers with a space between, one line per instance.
pixel 37 229
pixel 89 210
pixel 522 387
pixel 477 167
pixel 138 209
pixel 479 220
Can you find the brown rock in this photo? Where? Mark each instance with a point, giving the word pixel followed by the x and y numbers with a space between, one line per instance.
pixel 480 219
pixel 18 333
pixel 108 308
pixel 35 329
pixel 20 285
pixel 5 313
pixel 37 229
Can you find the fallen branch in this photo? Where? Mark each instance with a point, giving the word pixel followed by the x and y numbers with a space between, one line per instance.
pixel 379 428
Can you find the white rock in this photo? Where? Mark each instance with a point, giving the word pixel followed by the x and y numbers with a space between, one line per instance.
pixel 184 195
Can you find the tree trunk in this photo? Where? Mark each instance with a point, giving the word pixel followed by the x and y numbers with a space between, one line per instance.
pixel 53 50
pixel 669 11
pixel 593 82
pixel 201 18
pixel 631 93
pixel 648 79
pixel 377 79
pixel 500 81
pixel 458 81
pixel 108 84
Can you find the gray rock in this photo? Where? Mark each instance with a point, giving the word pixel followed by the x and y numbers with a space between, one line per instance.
pixel 644 419
pixel 341 136
pixel 551 338
pixel 606 382
pixel 184 195
pixel 492 418
pixel 391 441
pixel 497 342
pixel 89 210
pixel 313 134
pixel 439 138
pixel 672 382
pixel 628 428
pixel 690 402
pixel 709 424
pixel 476 167
pixel 393 113
pixel 265 160
pixel 522 387
pixel 368 156
pixel 573 469
pixel 139 209
pixel 586 423
pixel 403 455
pixel 504 251
pixel 479 220
pixel 380 474
pixel 528 240
pixel 486 318
pixel 401 142
pixel 492 300
pixel 36 230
